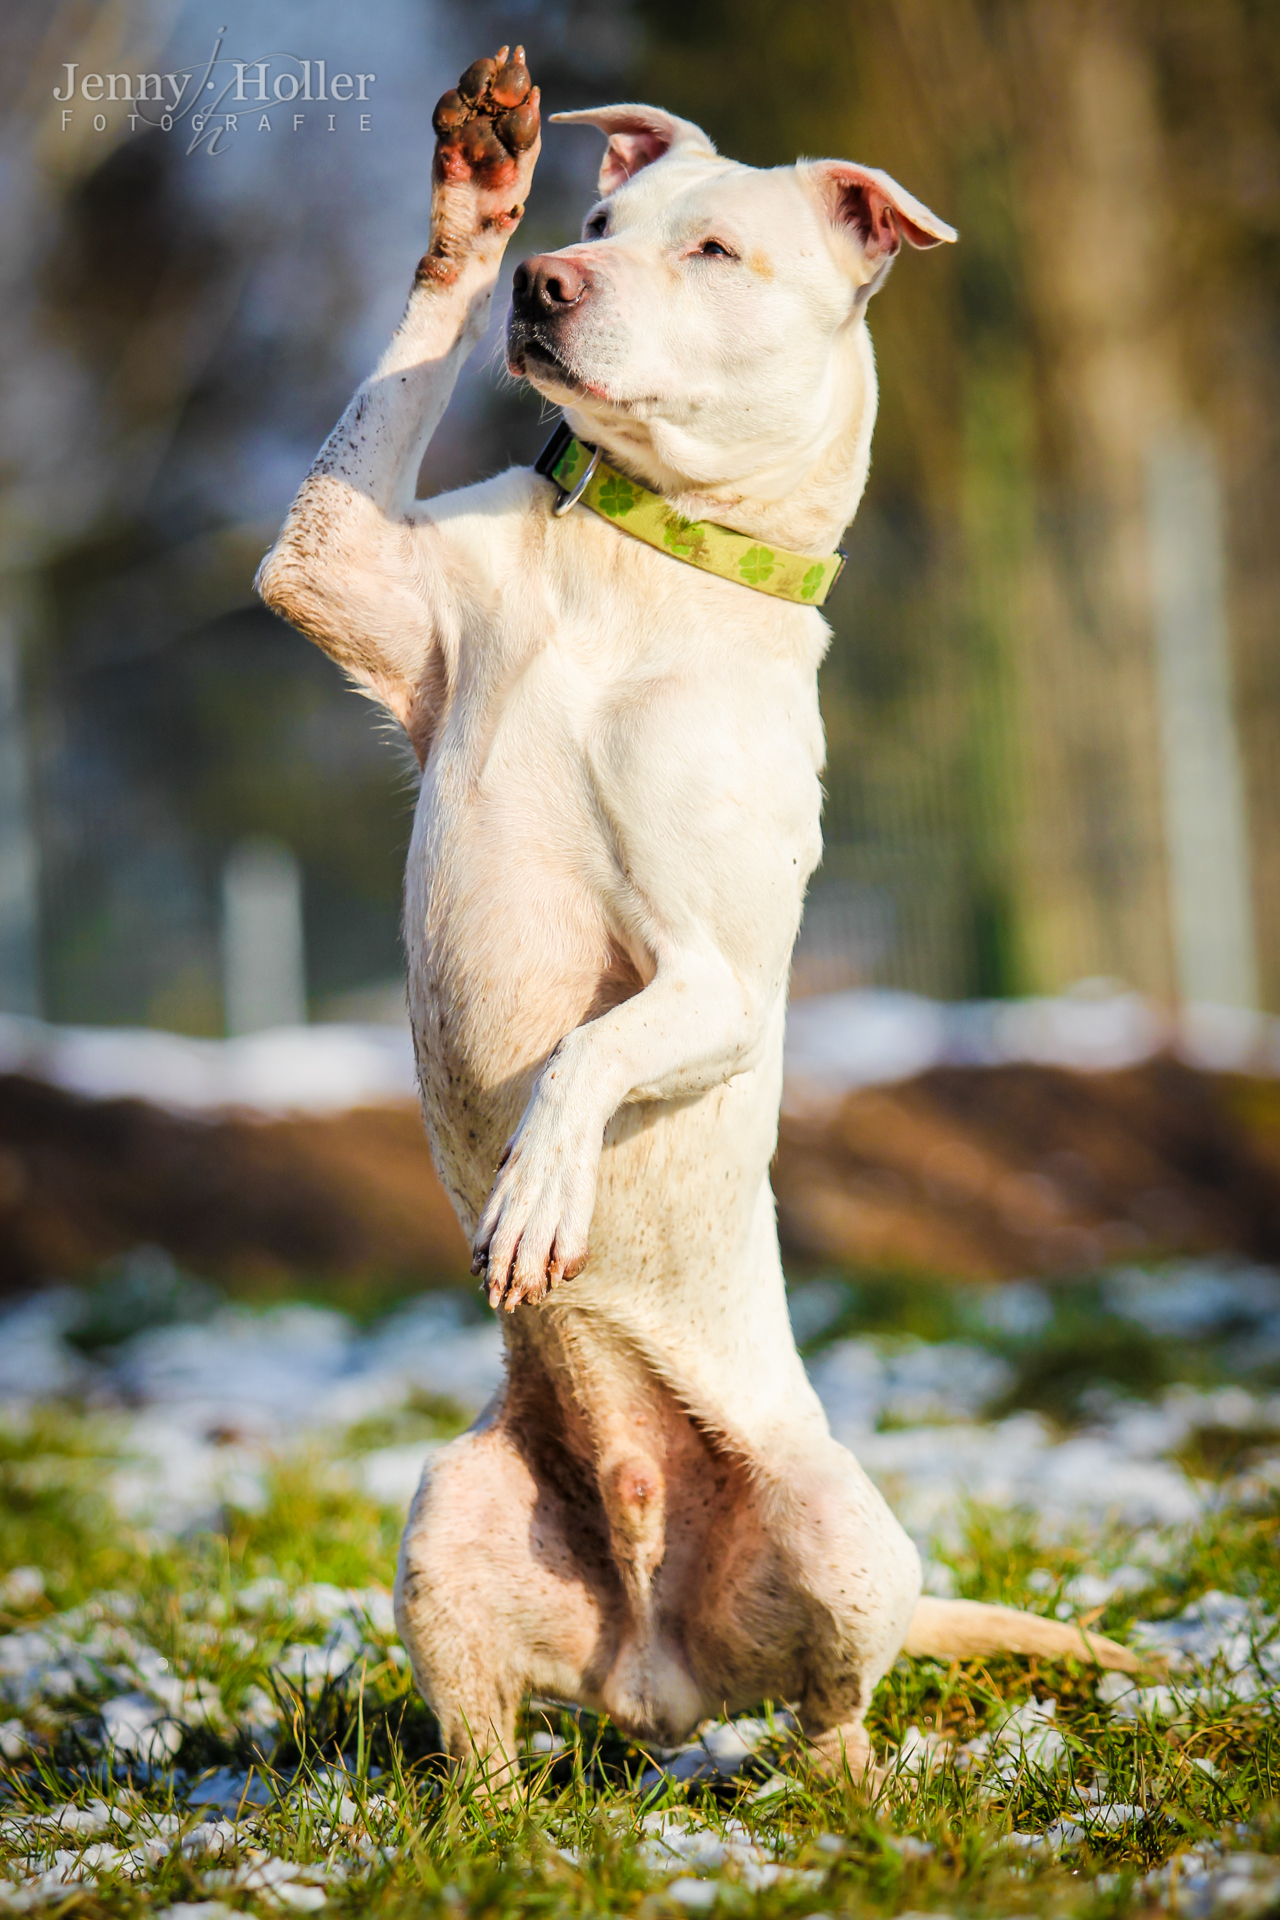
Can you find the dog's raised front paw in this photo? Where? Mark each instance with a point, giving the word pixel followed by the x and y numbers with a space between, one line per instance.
pixel 487 144
pixel 488 124
pixel 533 1233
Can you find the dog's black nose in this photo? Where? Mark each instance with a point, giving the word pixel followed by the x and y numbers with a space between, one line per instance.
pixel 545 285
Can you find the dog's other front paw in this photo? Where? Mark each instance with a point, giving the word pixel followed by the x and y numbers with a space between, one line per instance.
pixel 533 1233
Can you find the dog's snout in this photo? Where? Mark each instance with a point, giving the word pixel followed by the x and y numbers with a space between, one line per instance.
pixel 546 285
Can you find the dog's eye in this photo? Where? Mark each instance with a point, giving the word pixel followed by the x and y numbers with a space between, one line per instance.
pixel 714 246
pixel 594 229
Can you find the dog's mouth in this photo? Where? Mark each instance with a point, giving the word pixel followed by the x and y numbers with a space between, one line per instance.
pixel 531 356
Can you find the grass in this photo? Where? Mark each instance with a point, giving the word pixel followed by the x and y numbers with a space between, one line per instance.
pixel 358 1814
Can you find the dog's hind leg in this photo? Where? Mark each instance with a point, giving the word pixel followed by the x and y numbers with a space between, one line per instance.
pixel 813 1588
pixel 495 1596
pixel 859 1575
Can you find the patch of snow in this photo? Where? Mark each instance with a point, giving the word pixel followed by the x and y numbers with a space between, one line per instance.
pixel 177 1479
pixel 211 1400
pixel 921 1752
pixel 195 1910
pixel 838 1042
pixel 390 1475
pixel 1174 1706
pixel 229 1791
pixel 268 1594
pixel 35 1361
pixel 1029 1736
pixel 41 1889
pixel 1019 1307
pixel 1088 1590
pixel 721 1749
pixel 319 1069
pixel 135 1725
pixel 928 1473
pixel 1205 1883
pixel 20 1588
pixel 313 1666
pixel 283 1881
pixel 1195 1297
pixel 433 1344
pixel 208 1398
pixel 1026 1739
pixel 834 1042
pixel 240 1371
pixel 842 1040
pixel 1218 1629
pixel 815 1306
pixel 671 1840
pixel 208 1839
pixel 697 1895
pixel 294 1369
pixel 862 1381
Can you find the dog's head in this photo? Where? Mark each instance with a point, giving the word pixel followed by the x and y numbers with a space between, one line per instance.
pixel 706 321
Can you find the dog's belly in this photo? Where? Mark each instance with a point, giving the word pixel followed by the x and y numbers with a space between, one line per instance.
pixel 684 1259
pixel 510 949
pixel 684 1265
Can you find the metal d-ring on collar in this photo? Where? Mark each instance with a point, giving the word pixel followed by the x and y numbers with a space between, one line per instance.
pixel 548 460
pixel 568 500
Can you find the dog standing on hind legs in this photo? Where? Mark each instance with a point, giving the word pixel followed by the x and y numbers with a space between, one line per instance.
pixel 608 672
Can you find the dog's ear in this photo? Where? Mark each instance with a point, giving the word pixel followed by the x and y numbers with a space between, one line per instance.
pixel 637 137
pixel 873 209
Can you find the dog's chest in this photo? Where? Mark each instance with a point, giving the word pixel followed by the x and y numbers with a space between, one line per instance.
pixel 613 759
pixel 511 887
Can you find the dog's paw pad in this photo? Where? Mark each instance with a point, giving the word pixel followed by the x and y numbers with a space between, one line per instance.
pixel 478 78
pixel 511 85
pixel 485 124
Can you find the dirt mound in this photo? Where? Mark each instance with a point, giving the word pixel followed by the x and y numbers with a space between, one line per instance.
pixel 977 1172
pixel 994 1171
pixel 81 1180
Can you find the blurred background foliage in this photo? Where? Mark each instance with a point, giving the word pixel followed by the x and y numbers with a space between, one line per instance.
pixel 1006 796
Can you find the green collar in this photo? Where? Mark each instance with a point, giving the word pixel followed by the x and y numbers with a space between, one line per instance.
pixel 582 474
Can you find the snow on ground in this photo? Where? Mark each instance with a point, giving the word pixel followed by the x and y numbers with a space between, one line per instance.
pixel 319 1069
pixel 198 1408
pixel 844 1040
pixel 1223 1655
pixel 834 1042
pixel 911 1412
pixel 204 1403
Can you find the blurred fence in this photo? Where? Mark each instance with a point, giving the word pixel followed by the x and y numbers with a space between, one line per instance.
pixel 1020 823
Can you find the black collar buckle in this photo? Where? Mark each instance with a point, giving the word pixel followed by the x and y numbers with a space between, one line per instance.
pixel 548 460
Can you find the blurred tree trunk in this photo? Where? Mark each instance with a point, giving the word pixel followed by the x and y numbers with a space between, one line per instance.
pixel 1097 259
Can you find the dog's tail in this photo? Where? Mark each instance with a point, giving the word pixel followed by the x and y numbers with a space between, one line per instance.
pixel 965 1629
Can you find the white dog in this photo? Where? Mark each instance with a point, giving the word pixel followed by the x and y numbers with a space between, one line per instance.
pixel 619 811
